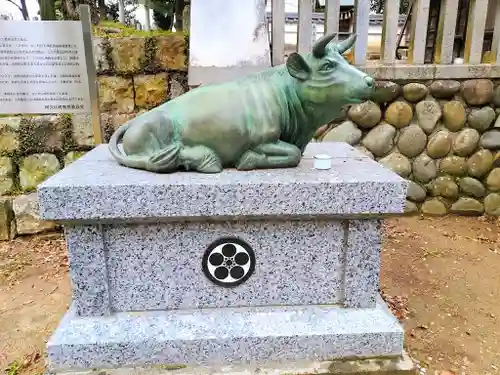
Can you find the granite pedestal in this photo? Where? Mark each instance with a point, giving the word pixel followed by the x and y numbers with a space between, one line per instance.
pixel 229 268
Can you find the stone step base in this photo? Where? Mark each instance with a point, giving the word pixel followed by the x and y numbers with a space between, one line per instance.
pixel 223 336
pixel 399 365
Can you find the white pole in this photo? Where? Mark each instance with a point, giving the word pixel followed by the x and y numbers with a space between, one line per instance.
pixel 147 21
pixel 121 9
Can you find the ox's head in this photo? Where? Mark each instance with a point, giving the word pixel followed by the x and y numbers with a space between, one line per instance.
pixel 325 77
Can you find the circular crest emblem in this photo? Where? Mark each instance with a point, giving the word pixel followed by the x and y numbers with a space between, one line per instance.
pixel 228 262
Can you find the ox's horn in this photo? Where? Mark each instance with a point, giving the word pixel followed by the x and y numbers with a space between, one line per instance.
pixel 320 45
pixel 346 44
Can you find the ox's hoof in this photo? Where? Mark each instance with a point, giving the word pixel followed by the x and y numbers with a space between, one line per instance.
pixel 249 160
pixel 210 168
pixel 210 163
pixel 200 158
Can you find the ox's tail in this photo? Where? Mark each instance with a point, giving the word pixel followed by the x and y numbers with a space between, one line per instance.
pixel 165 160
pixel 131 161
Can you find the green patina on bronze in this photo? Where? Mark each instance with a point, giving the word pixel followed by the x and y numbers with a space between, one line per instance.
pixel 262 120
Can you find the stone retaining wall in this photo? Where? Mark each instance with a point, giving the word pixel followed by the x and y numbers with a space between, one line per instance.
pixel 444 136
pixel 135 74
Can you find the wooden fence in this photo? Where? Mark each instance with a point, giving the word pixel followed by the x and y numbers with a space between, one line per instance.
pixel 444 40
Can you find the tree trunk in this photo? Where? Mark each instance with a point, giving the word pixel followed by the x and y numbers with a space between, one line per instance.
pixel 186 15
pixel 102 10
pixel 74 6
pixel 68 10
pixel 179 9
pixel 24 10
pixel 94 12
pixel 47 10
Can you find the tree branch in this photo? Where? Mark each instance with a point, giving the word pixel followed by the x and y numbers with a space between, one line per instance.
pixel 18 7
pixel 24 10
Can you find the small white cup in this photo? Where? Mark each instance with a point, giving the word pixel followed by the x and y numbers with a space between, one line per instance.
pixel 322 161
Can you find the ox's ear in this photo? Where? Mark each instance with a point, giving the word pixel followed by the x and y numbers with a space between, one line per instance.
pixel 297 67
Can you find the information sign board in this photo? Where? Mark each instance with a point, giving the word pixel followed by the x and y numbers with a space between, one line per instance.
pixel 43 68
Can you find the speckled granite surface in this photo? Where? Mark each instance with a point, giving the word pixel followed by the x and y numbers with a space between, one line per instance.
pixel 355 185
pixel 393 365
pixel 158 266
pixel 88 271
pixel 215 336
pixel 138 267
pixel 362 263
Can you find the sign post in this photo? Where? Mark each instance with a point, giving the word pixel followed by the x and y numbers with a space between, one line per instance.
pixel 91 72
pixel 47 67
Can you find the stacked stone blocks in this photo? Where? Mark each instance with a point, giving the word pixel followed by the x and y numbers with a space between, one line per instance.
pixel 33 148
pixel 134 75
pixel 137 74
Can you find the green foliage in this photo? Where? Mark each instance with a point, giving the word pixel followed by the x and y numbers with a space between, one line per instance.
pixel 163 21
pixel 377 6
pixel 58 9
pixel 68 9
pixel 13 368
pixel 163 13
pixel 65 9
pixel 113 12
pixel 113 29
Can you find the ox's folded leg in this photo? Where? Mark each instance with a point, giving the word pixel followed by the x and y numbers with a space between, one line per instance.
pixel 270 155
pixel 250 160
pixel 279 155
pixel 200 158
pixel 165 160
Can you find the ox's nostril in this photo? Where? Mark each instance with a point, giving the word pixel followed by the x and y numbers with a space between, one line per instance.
pixel 369 81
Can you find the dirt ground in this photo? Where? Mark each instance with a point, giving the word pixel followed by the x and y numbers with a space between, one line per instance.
pixel 441 277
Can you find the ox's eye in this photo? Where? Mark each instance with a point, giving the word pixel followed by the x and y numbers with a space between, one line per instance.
pixel 327 66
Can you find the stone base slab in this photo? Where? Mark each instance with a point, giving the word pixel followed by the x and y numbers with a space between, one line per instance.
pixel 223 336
pixel 398 365
pixel 355 186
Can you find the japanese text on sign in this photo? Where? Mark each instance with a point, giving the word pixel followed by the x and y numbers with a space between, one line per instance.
pixel 42 68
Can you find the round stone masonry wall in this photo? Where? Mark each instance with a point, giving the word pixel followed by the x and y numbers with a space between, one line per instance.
pixel 443 136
